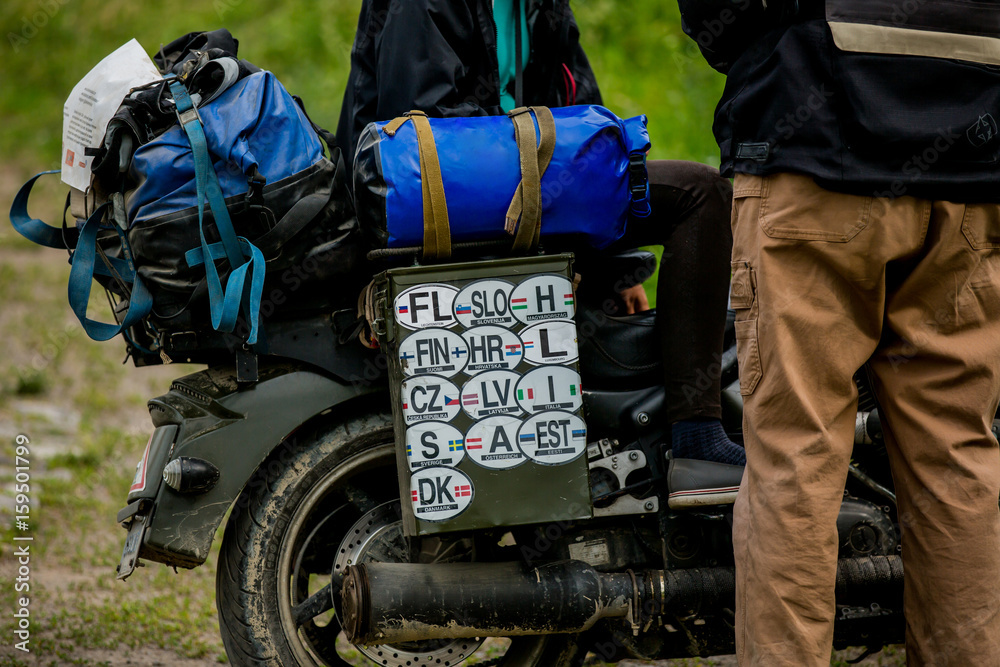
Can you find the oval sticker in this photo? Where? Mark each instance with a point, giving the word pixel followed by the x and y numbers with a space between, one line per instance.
pixel 492 443
pixel 550 388
pixel 436 351
pixel 492 349
pixel 553 438
pixel 491 393
pixel 427 397
pixel 440 493
pixel 434 444
pixel 550 342
pixel 545 297
pixel 423 306
pixel 485 302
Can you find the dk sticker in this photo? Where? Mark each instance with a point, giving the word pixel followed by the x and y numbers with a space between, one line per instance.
pixel 440 493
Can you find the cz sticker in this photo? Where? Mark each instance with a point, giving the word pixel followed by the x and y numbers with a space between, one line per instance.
pixel 439 493
pixel 492 443
pixel 485 302
pixel 550 388
pixel 423 306
pixel 544 297
pixel 434 444
pixel 491 393
pixel 550 343
pixel 492 349
pixel 437 351
pixel 429 397
pixel 553 438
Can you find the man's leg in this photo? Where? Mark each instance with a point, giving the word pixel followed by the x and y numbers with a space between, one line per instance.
pixel 938 383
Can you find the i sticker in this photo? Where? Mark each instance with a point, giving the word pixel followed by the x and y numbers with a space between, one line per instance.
pixel 550 343
pixel 423 306
pixel 491 393
pixel 439 493
pixel 553 438
pixel 492 443
pixel 485 302
pixel 544 297
pixel 550 388
pixel 434 444
pixel 437 351
pixel 427 397
pixel 491 349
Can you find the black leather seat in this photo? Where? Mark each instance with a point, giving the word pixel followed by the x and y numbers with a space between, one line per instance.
pixel 618 352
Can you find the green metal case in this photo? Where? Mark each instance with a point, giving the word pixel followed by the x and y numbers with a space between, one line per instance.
pixel 486 394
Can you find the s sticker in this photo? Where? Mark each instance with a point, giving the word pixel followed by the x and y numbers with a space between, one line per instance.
pixel 433 443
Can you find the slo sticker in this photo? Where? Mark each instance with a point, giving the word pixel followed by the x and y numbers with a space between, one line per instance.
pixel 491 393
pixel 492 443
pixel 439 493
pixel 428 397
pixel 550 343
pixel 426 306
pixel 485 302
pixel 492 349
pixel 436 351
pixel 545 297
pixel 550 388
pixel 553 438
pixel 434 444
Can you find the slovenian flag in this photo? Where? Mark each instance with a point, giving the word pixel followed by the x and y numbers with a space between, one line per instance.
pixel 463 310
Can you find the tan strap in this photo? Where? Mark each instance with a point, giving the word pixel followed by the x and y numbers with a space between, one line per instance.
pixel 437 231
pixel 526 204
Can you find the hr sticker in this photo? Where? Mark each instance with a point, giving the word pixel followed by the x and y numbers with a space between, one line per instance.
pixel 434 444
pixel 429 397
pixel 437 351
pixel 424 306
pixel 553 438
pixel 550 343
pixel 550 388
pixel 485 302
pixel 491 393
pixel 440 493
pixel 492 443
pixel 492 348
pixel 544 297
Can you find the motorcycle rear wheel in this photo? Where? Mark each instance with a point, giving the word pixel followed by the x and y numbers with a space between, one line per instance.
pixel 282 537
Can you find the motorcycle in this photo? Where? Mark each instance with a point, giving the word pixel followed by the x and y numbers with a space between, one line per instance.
pixel 315 565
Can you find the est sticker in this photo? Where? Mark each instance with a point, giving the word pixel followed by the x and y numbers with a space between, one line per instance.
pixel 437 351
pixel 550 388
pixel 492 443
pixel 485 302
pixel 553 438
pixel 544 297
pixel 491 393
pixel 423 306
pixel 434 444
pixel 427 397
pixel 440 493
pixel 492 348
pixel 551 342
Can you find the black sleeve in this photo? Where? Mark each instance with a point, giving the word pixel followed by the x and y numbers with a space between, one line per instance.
pixel 723 29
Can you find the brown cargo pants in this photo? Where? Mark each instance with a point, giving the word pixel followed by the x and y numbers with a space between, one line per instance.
pixel 821 283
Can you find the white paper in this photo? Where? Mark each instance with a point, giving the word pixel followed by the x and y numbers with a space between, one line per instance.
pixel 92 104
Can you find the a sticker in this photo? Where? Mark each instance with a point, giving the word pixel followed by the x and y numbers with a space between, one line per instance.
pixel 491 393
pixel 427 397
pixel 485 302
pixel 550 342
pixel 439 493
pixel 544 297
pixel 492 349
pixel 492 443
pixel 424 306
pixel 434 444
pixel 550 388
pixel 437 351
pixel 553 438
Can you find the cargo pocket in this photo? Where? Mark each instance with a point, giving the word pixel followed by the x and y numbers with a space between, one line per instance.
pixel 793 207
pixel 743 299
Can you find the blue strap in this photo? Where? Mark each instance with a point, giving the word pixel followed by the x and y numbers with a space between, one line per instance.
pixel 237 278
pixel 81 276
pixel 34 229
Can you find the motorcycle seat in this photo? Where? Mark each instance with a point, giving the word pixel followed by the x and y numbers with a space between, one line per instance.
pixel 618 351
pixel 694 483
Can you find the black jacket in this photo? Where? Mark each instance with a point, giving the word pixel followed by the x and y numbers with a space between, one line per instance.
pixel 440 56
pixel 824 88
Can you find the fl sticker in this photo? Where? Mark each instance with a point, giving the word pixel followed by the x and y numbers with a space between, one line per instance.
pixel 424 306
pixel 492 443
pixel 485 302
pixel 553 438
pixel 429 397
pixel 440 493
pixel 544 297
pixel 550 388
pixel 434 444
pixel 436 351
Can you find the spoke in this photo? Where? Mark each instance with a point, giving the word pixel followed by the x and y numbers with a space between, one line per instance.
pixel 317 603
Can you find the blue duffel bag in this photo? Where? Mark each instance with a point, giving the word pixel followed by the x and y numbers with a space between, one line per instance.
pixel 570 171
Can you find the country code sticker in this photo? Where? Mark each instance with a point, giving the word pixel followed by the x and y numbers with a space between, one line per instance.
pixel 434 444
pixel 423 306
pixel 485 302
pixel 429 397
pixel 553 438
pixel 436 351
pixel 492 349
pixel 551 342
pixel 440 493
pixel 544 297
pixel 492 443
pixel 491 393
pixel 550 388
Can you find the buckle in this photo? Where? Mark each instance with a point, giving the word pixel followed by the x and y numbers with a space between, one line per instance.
pixel 638 177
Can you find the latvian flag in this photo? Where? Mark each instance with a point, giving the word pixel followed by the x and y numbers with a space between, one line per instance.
pixel 473 443
pixel 455 446
pixel 470 399
pixel 519 304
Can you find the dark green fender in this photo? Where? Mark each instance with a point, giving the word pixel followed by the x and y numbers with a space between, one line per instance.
pixel 207 415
